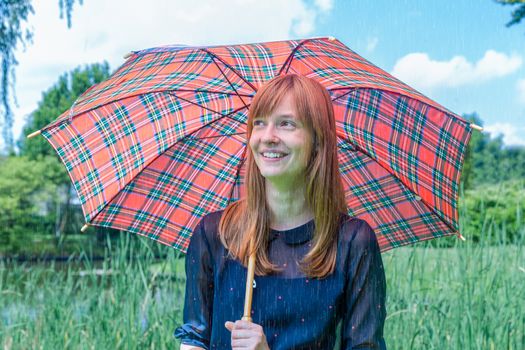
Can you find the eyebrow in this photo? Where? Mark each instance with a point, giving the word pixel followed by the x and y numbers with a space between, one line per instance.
pixel 291 116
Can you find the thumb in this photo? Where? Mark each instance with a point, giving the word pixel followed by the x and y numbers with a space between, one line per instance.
pixel 229 325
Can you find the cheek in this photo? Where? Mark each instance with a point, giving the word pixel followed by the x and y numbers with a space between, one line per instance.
pixel 252 148
pixel 252 142
pixel 308 156
pixel 307 149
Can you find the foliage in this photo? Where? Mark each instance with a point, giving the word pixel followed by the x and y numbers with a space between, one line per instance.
pixel 27 193
pixel 65 217
pixel 518 13
pixel 494 209
pixel 13 31
pixel 66 8
pixel 35 190
pixel 489 161
pixel 14 14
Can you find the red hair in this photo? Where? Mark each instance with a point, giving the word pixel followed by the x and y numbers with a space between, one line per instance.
pixel 249 219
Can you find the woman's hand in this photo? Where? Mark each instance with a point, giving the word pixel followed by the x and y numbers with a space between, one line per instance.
pixel 247 335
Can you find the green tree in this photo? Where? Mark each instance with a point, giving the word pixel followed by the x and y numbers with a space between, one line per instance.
pixel 467 173
pixel 489 161
pixel 13 33
pixel 28 193
pixel 519 10
pixel 495 210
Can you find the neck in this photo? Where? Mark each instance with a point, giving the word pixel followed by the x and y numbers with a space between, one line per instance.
pixel 288 206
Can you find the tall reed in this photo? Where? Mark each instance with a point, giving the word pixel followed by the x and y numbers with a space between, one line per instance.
pixel 468 296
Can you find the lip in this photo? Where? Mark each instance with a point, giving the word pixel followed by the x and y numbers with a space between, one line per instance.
pixel 273 159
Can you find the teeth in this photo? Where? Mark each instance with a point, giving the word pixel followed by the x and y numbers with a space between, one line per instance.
pixel 272 155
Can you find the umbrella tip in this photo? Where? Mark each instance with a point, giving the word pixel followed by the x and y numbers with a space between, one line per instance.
pixel 128 55
pixel 476 127
pixel 460 236
pixel 33 134
pixel 84 228
pixel 331 38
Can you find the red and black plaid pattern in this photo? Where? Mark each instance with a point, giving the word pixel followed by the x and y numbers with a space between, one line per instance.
pixel 162 141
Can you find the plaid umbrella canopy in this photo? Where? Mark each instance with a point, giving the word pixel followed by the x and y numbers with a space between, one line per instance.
pixel 162 141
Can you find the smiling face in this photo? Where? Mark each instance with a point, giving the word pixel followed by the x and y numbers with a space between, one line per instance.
pixel 281 144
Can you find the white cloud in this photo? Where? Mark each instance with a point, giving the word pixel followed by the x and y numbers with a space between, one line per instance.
pixel 106 30
pixel 305 21
pixel 420 71
pixel 324 5
pixel 109 29
pixel 512 135
pixel 371 43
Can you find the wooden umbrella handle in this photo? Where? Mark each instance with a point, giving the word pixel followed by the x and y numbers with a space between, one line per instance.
pixel 249 289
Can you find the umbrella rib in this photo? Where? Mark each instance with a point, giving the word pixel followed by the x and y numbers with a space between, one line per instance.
pixel 70 117
pixel 238 171
pixel 214 58
pixel 193 103
pixel 213 92
pixel 290 57
pixel 228 80
pixel 217 136
pixel 350 89
pixel 211 110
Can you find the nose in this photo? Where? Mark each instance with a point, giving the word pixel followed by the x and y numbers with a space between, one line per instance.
pixel 269 135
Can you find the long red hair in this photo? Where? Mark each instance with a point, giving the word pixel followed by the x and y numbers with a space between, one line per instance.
pixel 249 219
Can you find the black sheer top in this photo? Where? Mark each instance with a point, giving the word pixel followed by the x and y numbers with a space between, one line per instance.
pixel 296 312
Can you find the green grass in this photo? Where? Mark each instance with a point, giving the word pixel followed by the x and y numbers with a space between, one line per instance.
pixel 121 303
pixel 466 297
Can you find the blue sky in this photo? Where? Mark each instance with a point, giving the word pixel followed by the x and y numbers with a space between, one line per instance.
pixel 386 31
pixel 459 53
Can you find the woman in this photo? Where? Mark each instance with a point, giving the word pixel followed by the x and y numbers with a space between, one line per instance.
pixel 315 266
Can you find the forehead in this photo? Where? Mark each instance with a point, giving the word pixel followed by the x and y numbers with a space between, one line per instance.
pixel 285 107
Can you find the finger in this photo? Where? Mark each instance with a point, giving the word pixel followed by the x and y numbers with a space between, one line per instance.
pixel 243 334
pixel 253 327
pixel 229 325
pixel 250 342
pixel 240 324
pixel 242 344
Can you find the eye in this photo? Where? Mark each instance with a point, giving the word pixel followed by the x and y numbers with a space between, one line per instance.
pixel 258 122
pixel 288 124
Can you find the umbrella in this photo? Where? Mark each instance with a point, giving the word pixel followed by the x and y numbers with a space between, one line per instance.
pixel 162 141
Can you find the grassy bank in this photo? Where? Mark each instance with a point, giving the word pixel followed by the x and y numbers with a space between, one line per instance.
pixel 465 297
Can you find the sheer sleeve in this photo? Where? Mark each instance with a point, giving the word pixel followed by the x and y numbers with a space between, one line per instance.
pixel 199 292
pixel 365 292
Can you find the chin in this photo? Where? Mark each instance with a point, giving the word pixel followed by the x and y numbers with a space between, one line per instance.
pixel 271 174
